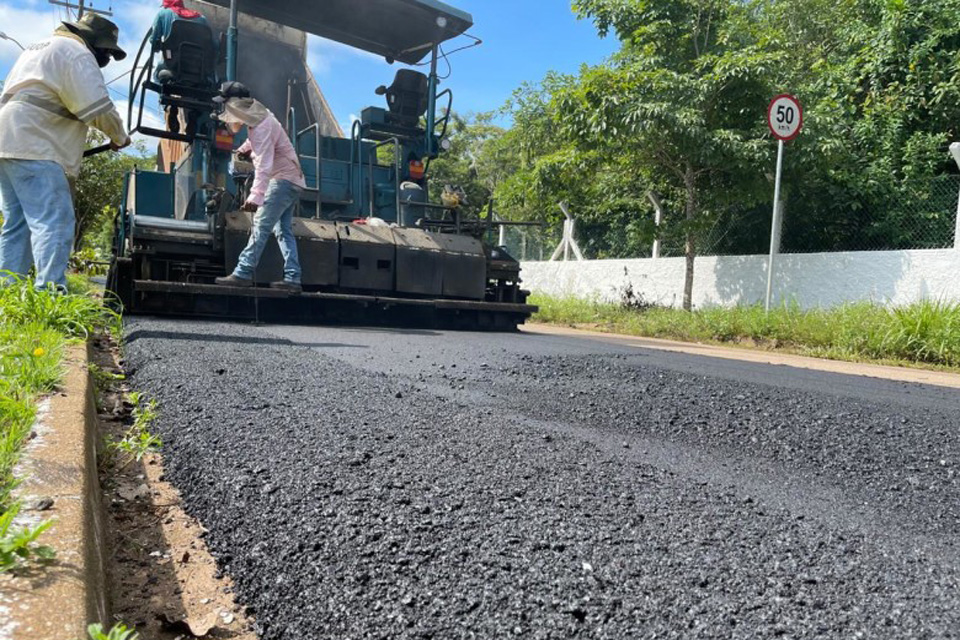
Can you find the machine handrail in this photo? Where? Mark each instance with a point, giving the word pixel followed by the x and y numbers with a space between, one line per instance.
pixel 137 80
pixel 356 155
pixel 396 172
pixel 449 111
pixel 316 158
pixel 292 123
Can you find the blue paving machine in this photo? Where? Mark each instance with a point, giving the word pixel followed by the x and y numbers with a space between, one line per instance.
pixel 374 249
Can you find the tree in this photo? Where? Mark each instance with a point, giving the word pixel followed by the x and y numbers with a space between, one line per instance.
pixel 472 161
pixel 883 94
pixel 99 191
pixel 677 103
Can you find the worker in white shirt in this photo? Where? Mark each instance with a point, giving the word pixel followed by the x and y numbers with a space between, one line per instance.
pixel 52 96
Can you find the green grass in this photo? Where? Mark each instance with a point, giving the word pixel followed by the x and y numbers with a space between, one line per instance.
pixel 926 333
pixel 117 632
pixel 35 328
pixel 74 316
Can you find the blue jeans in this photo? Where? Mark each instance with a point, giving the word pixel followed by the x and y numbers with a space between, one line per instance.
pixel 38 220
pixel 276 216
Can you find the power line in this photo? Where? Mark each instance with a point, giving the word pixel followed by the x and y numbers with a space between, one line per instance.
pixel 80 7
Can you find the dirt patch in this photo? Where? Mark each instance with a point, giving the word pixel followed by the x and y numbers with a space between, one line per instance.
pixel 161 576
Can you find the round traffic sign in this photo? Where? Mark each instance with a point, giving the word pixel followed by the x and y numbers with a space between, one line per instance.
pixel 785 117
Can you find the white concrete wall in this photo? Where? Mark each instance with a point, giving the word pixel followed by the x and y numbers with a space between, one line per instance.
pixel 813 280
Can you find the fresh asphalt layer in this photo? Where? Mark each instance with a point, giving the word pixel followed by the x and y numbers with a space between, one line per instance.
pixel 369 483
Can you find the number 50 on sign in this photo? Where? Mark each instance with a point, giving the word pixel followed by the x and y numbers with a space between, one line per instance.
pixel 785 116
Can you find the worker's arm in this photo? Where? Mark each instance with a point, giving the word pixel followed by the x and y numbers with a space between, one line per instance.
pixel 262 140
pixel 84 93
pixel 246 148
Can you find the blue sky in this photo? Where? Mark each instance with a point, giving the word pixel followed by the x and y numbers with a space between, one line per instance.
pixel 523 39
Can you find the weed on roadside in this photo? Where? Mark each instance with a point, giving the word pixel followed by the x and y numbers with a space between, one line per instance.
pixel 926 332
pixel 137 441
pixel 18 546
pixel 117 632
pixel 103 378
pixel 74 316
pixel 30 365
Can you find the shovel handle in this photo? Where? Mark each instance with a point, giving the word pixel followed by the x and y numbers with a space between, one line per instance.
pixel 97 150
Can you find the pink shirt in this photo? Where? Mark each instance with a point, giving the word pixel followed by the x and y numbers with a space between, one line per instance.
pixel 274 158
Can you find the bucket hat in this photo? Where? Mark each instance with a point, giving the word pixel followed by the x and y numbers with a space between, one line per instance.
pixel 99 33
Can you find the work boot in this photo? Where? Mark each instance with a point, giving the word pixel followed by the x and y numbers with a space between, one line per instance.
pixel 286 285
pixel 233 281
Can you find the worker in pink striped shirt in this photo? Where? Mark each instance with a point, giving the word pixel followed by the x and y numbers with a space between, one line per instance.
pixel 277 184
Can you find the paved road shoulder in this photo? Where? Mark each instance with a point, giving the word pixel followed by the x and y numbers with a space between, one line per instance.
pixel 884 372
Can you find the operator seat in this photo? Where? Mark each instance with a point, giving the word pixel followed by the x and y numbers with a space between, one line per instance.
pixel 406 98
pixel 186 81
pixel 189 56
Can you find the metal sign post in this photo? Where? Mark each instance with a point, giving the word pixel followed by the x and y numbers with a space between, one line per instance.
pixel 785 118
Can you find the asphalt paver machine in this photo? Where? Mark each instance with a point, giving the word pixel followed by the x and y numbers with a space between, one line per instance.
pixel 373 248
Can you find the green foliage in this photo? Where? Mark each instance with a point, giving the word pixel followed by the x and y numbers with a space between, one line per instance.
pixel 16 418
pixel 80 284
pixel 104 379
pixel 74 316
pixel 926 333
pixel 117 632
pixel 98 192
pixel 879 81
pixel 18 546
pixel 89 261
pixel 30 357
pixel 680 111
pixel 474 161
pixel 138 441
pixel 34 328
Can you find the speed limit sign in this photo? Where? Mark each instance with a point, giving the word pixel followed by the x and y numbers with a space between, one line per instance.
pixel 785 117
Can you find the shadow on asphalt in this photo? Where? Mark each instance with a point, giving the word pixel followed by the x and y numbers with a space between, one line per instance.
pixel 394 331
pixel 135 335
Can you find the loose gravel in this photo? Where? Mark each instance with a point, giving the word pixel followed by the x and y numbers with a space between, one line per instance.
pixel 420 485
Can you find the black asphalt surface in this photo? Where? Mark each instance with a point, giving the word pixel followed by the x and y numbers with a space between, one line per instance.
pixel 416 484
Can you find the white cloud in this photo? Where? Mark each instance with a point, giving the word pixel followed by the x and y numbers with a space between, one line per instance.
pixel 317 58
pixel 26 26
pixel 151 118
pixel 323 54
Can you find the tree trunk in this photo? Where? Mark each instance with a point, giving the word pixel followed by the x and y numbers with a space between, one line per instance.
pixel 690 248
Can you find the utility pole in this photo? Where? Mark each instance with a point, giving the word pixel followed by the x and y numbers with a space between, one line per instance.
pixel 80 8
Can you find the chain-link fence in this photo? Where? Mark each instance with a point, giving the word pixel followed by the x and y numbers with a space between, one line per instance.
pixel 909 215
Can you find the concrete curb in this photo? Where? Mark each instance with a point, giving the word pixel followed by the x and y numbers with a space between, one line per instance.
pixel 57 602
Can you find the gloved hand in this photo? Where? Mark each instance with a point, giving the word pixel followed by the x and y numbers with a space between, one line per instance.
pixel 249 206
pixel 117 147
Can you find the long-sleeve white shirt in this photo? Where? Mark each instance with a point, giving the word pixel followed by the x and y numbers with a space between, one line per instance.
pixel 51 97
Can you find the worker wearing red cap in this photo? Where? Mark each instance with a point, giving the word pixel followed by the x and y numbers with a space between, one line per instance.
pixel 173 11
